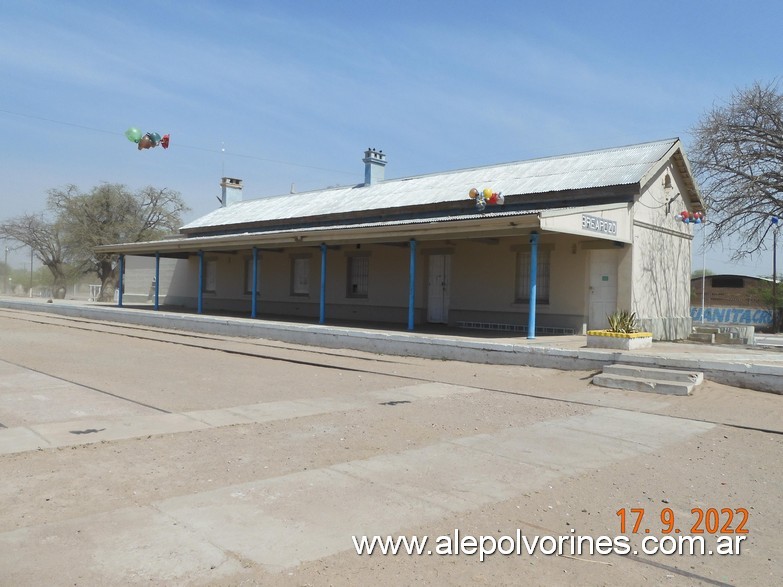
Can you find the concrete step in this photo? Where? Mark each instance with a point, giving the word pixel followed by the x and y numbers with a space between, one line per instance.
pixel 706 337
pixel 655 373
pixel 643 384
pixel 706 329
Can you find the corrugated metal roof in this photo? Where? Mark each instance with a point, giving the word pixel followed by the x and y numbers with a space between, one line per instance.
pixel 212 240
pixel 593 169
pixel 496 213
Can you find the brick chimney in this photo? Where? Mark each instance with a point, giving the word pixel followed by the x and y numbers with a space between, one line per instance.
pixel 232 191
pixel 374 162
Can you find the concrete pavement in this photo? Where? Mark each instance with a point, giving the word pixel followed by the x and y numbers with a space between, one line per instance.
pixel 139 455
pixel 282 522
pixel 304 515
pixel 110 420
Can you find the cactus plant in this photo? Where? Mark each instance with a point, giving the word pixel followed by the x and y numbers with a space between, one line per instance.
pixel 623 321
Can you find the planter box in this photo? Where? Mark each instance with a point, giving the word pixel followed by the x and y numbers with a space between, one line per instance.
pixel 603 339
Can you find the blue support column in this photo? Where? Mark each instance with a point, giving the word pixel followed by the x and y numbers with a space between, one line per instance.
pixel 531 319
pixel 412 285
pixel 157 280
pixel 322 317
pixel 200 305
pixel 254 288
pixel 122 281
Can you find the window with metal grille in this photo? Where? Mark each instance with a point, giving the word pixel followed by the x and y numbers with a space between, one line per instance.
pixel 542 277
pixel 300 276
pixel 209 284
pixel 358 277
pixel 249 276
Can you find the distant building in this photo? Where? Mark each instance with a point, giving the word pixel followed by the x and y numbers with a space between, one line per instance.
pixel 731 299
pixel 585 234
pixel 741 291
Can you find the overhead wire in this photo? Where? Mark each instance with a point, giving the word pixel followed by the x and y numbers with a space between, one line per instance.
pixel 222 151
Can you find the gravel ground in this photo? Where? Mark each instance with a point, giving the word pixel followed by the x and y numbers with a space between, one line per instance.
pixel 104 512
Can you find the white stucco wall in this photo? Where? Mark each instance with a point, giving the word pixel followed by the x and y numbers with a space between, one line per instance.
pixel 139 278
pixel 183 281
pixel 662 258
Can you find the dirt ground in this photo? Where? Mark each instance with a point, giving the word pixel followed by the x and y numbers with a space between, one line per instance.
pixel 351 442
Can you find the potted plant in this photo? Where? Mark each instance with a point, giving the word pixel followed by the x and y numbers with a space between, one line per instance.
pixel 623 333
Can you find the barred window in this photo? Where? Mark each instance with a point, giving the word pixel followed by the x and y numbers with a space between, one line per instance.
pixel 300 276
pixel 209 284
pixel 358 277
pixel 249 276
pixel 542 277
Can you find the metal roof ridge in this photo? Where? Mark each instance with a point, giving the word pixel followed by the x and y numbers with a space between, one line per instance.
pixel 669 141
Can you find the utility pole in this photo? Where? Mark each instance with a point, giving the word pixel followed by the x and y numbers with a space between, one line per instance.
pixel 5 272
pixel 31 271
pixel 703 266
pixel 775 278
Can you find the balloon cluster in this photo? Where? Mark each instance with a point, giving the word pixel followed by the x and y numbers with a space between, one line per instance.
pixel 486 197
pixel 690 217
pixel 146 140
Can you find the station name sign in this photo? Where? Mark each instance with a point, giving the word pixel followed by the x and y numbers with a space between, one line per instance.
pixel 597 224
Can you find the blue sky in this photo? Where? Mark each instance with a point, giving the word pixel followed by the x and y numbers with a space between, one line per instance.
pixel 281 93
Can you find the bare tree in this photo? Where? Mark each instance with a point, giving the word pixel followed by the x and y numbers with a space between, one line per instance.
pixel 109 214
pixel 737 158
pixel 44 237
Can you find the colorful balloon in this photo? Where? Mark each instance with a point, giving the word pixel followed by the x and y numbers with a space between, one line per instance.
pixel 485 197
pixel 133 134
pixel 146 142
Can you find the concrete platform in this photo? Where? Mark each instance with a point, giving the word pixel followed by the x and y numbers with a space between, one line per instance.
pixel 742 366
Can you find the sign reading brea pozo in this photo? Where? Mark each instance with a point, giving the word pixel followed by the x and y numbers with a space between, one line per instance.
pixel 598 224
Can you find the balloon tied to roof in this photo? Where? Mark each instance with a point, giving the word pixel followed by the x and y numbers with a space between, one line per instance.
pixel 486 197
pixel 690 217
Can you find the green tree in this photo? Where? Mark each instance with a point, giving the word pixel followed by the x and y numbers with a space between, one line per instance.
pixel 737 157
pixel 108 214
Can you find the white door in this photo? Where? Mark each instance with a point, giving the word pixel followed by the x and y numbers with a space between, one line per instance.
pixel 603 288
pixel 438 288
